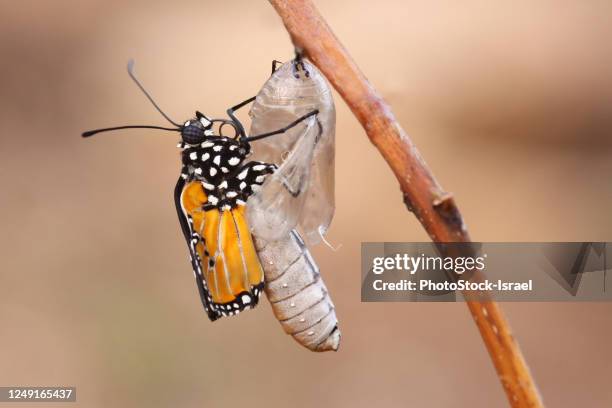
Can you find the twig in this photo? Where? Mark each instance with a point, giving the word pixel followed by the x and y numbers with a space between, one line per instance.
pixel 435 209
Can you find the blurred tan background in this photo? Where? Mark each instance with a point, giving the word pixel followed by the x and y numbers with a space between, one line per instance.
pixel 509 102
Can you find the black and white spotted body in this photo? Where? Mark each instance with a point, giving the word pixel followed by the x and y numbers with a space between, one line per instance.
pixel 219 163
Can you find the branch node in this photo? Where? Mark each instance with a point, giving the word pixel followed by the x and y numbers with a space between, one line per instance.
pixel 408 202
pixel 447 209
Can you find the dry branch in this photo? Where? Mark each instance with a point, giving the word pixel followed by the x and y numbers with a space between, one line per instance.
pixel 435 209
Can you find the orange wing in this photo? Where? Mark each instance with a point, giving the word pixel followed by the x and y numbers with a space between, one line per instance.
pixel 226 266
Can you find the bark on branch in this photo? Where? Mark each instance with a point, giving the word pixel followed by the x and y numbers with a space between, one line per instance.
pixel 435 209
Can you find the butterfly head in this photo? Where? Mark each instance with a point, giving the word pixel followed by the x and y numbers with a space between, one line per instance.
pixel 196 130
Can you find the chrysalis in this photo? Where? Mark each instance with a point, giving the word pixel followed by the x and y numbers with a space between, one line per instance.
pixel 293 90
pixel 297 293
pixel 299 194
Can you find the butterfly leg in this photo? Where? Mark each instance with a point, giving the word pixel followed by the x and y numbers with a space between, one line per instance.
pixel 283 129
pixel 232 116
pixel 275 64
pixel 292 191
pixel 231 111
pixel 297 65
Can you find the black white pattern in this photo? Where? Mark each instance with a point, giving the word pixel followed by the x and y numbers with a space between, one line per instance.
pixel 218 163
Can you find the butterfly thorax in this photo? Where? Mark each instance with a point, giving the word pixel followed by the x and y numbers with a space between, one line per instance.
pixel 219 164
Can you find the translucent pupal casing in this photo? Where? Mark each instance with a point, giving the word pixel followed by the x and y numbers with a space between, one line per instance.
pixel 297 293
pixel 283 99
pixel 278 206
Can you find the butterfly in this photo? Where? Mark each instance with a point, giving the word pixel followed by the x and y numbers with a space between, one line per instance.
pixel 211 195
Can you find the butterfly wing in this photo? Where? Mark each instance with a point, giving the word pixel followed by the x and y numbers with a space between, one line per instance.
pixel 283 99
pixel 226 267
pixel 192 241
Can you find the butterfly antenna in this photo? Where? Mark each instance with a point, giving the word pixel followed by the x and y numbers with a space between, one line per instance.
pixel 130 68
pixel 95 131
